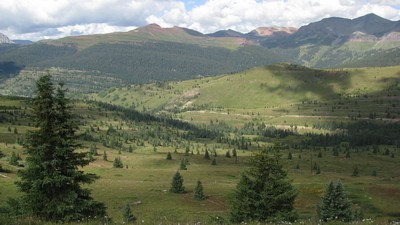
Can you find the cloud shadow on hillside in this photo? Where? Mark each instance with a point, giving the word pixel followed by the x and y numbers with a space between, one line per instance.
pixel 299 80
pixel 9 70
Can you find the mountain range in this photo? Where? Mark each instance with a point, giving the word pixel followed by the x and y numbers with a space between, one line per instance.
pixel 155 53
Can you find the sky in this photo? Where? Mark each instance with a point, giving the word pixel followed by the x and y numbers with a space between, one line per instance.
pixel 50 19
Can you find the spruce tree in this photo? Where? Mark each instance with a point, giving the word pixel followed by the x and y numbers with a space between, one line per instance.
pixel 105 155
pixel 51 180
pixel 127 215
pixel 264 192
pixel 13 159
pixel 118 163
pixel 335 205
pixel 183 164
pixel 207 155
pixel 355 172
pixel 198 191
pixel 177 184
pixel 169 156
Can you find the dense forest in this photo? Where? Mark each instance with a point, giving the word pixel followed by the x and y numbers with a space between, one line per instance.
pixel 139 63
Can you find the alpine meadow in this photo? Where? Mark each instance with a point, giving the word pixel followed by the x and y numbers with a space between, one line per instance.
pixel 172 126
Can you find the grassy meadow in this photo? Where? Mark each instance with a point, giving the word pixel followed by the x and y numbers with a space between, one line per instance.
pixel 286 97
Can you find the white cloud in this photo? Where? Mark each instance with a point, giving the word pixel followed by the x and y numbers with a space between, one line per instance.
pixel 55 18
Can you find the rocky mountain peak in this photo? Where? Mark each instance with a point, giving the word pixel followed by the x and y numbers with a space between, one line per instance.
pixel 4 39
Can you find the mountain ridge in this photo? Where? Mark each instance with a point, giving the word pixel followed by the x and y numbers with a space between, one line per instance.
pixel 4 39
pixel 153 53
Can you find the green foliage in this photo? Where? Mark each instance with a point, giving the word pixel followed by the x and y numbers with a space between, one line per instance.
pixel 207 155
pixel 177 184
pixel 118 163
pixel 335 205
pixel 51 182
pixel 2 154
pixel 169 156
pixel 158 60
pixel 289 156
pixel 105 155
pixel 228 154
pixel 93 150
pixel 183 164
pixel 264 192
pixel 356 172
pixel 128 215
pixel 13 160
pixel 198 191
pixel 318 171
pixel 234 153
pixel 217 220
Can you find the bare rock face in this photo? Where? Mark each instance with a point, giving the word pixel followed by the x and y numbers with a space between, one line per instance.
pixel 271 31
pixel 4 39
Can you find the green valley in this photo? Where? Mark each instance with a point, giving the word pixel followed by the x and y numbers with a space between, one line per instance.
pixel 325 124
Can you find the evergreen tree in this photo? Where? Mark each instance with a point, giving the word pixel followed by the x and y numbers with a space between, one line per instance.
pixel 169 156
pixel 318 171
pixel 264 192
pixel 51 181
pixel 127 215
pixel 105 156
pixel 118 163
pixel 207 155
pixel 2 154
pixel 290 156
pixel 177 184
pixel 234 153
pixel 183 164
pixel 198 191
pixel 228 154
pixel 93 150
pixel 335 205
pixel 214 162
pixel 13 159
pixel 355 172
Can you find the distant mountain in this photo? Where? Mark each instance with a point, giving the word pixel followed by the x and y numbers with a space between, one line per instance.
pixel 153 53
pixel 153 33
pixel 22 42
pixel 259 33
pixel 4 39
pixel 227 33
pixel 335 30
pixel 272 32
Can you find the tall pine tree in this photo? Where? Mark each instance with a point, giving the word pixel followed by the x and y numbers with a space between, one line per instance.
pixel 335 205
pixel 52 179
pixel 198 191
pixel 264 192
pixel 177 184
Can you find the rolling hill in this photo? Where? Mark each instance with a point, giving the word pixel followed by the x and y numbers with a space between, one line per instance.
pixel 279 94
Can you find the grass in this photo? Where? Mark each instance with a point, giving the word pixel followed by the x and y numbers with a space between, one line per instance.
pixel 278 95
pixel 148 176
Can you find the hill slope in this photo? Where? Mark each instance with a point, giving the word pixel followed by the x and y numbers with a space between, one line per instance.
pixel 277 94
pixel 153 53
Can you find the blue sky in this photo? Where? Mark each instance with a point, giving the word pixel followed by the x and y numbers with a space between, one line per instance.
pixel 43 19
